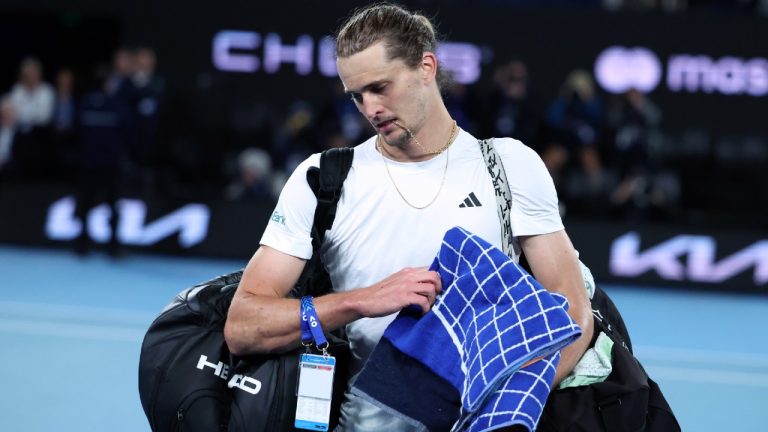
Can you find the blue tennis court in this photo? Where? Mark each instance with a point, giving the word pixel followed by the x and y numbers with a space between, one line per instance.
pixel 71 329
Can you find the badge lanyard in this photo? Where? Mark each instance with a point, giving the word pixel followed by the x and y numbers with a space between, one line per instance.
pixel 313 407
pixel 311 331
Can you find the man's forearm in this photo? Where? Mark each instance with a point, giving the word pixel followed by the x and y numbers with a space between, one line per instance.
pixel 270 323
pixel 266 324
pixel 570 355
pixel 554 264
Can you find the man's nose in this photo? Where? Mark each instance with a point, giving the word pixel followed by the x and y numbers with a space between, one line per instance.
pixel 371 107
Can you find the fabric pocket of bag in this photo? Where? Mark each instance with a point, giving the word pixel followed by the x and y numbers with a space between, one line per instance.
pixel 273 406
pixel 203 411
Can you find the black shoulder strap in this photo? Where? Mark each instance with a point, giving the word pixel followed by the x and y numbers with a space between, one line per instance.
pixel 334 166
pixel 326 182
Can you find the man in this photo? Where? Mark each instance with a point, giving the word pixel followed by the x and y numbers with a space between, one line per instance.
pixel 404 190
pixel 32 96
pixel 104 123
pixel 145 101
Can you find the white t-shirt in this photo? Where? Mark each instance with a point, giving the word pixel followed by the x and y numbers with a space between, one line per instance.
pixel 376 233
pixel 33 108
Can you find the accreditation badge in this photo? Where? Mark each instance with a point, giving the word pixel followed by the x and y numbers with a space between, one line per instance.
pixel 313 408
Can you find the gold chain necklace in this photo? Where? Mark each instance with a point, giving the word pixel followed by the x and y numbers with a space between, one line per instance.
pixel 433 152
pixel 454 133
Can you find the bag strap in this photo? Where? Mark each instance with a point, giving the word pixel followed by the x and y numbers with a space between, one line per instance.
pixel 503 196
pixel 608 319
pixel 326 182
pixel 334 167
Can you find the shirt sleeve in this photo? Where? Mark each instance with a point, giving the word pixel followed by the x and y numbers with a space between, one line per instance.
pixel 288 228
pixel 535 208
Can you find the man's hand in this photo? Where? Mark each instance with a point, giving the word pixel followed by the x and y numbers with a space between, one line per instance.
pixel 409 286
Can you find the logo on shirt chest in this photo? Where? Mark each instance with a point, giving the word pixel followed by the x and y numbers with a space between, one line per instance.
pixel 470 201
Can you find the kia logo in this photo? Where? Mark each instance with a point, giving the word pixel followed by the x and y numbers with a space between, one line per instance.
pixel 618 69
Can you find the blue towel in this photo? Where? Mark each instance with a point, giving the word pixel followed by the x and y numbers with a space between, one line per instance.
pixel 460 365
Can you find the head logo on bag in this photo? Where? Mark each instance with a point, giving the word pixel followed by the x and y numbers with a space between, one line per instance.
pixel 221 370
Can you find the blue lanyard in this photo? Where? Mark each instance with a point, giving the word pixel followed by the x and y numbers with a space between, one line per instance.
pixel 310 325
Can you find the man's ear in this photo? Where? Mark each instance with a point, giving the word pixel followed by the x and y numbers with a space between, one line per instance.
pixel 429 66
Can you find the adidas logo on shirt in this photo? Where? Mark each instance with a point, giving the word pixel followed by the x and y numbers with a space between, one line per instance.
pixel 470 201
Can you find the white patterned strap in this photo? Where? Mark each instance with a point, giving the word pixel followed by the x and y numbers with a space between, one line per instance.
pixel 503 196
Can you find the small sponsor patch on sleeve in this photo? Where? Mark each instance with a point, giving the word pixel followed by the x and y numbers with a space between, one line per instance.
pixel 277 217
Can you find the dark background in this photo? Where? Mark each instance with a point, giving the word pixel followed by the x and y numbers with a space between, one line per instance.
pixel 211 114
pixel 717 143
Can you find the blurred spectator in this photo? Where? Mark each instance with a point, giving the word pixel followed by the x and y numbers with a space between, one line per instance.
pixel 576 114
pixel 514 111
pixel 633 118
pixel 119 80
pixel 64 107
pixel 19 147
pixel 146 103
pixel 589 185
pixel 297 137
pixel 32 96
pixel 63 145
pixel 104 124
pixel 644 190
pixel 255 180
pixel 574 121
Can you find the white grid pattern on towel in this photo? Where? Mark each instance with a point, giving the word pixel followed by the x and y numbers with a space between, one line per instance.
pixel 519 401
pixel 498 329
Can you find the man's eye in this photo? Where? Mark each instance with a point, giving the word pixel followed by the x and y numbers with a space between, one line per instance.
pixel 356 97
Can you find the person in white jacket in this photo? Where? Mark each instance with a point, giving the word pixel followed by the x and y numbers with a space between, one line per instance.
pixel 32 97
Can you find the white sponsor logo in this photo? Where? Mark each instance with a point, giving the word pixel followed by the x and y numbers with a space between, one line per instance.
pixel 618 69
pixel 700 265
pixel 249 52
pixel 245 383
pixel 190 222
pixel 727 75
